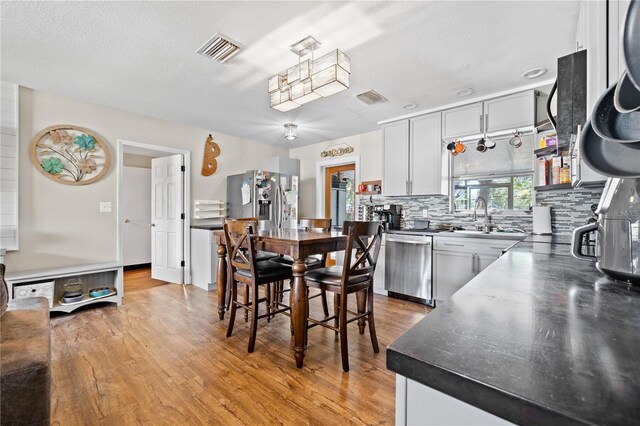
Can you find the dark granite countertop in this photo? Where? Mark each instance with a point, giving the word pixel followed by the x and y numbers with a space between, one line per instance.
pixel 207 227
pixel 535 339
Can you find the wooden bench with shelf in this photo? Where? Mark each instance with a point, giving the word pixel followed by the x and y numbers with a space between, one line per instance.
pixel 92 276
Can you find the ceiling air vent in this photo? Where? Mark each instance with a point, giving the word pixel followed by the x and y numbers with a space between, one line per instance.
pixel 371 97
pixel 220 47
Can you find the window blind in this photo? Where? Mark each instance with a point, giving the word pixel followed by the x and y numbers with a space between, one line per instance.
pixel 8 166
pixel 503 160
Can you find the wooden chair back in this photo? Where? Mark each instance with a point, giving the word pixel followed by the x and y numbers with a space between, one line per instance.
pixel 366 256
pixel 241 252
pixel 315 223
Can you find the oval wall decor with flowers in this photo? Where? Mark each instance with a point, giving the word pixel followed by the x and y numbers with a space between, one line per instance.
pixel 70 154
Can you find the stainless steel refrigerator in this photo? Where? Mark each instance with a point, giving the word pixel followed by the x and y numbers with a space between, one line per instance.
pixel 270 197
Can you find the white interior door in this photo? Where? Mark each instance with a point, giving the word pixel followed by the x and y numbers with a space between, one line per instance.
pixel 166 219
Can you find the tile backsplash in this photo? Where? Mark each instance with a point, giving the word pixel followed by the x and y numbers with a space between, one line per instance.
pixel 569 209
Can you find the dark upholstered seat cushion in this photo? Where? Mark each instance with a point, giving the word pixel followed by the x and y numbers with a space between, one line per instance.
pixel 265 255
pixel 261 256
pixel 332 275
pixel 25 362
pixel 309 261
pixel 268 269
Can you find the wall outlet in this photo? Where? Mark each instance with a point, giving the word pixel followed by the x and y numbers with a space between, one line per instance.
pixel 105 206
pixel 425 213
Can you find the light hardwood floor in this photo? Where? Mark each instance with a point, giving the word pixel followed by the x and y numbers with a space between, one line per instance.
pixel 163 358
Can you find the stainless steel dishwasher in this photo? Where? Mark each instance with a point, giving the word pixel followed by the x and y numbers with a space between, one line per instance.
pixel 408 267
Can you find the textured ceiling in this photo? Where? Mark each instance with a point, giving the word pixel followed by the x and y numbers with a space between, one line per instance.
pixel 140 56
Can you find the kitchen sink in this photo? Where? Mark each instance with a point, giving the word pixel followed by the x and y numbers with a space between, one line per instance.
pixel 492 233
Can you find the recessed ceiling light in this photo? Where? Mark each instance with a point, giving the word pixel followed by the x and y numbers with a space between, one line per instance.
pixel 409 106
pixel 534 73
pixel 463 92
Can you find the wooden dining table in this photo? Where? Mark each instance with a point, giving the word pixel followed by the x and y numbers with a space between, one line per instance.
pixel 299 245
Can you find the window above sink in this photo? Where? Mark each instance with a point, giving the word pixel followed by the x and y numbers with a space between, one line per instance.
pixel 502 175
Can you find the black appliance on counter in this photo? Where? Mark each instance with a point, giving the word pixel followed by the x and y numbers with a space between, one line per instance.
pixel 389 215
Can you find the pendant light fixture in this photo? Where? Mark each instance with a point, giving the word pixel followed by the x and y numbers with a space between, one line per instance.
pixel 310 79
pixel 290 131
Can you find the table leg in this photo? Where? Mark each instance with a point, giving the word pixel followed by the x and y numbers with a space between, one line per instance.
pixel 299 312
pixel 221 280
pixel 361 298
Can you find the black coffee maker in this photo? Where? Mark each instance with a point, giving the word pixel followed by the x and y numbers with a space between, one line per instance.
pixel 389 215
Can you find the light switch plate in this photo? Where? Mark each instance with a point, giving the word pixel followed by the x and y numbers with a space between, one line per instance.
pixel 425 213
pixel 105 206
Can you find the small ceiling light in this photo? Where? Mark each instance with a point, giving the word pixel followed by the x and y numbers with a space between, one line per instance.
pixel 461 93
pixel 534 73
pixel 409 106
pixel 290 131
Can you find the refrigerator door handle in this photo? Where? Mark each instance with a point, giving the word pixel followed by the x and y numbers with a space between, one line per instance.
pixel 279 207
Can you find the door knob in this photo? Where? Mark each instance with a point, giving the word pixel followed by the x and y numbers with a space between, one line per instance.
pixel 126 221
pixel 151 225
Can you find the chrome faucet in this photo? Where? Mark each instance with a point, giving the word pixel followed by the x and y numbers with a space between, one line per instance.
pixel 486 228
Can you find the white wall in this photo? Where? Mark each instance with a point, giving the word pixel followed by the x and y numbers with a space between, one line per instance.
pixel 367 145
pixel 136 208
pixel 60 225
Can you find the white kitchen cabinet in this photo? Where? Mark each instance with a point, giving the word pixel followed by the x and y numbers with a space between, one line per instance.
pixel 415 161
pixel 510 112
pixel 417 404
pixel 484 260
pixel 395 155
pixel 378 277
pixel 429 171
pixel 617 14
pixel 204 259
pixel 592 36
pixel 457 260
pixel 463 121
pixel 452 270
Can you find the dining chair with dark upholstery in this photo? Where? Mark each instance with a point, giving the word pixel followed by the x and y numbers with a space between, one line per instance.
pixel 245 269
pixel 260 256
pixel 363 238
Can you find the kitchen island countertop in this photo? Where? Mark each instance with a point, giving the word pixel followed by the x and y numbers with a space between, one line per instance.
pixel 536 338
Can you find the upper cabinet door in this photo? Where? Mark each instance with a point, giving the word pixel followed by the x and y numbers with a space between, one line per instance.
pixel 463 121
pixel 395 159
pixel 510 112
pixel 429 167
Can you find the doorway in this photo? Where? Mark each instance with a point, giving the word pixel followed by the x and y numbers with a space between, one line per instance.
pixel 153 211
pixel 339 194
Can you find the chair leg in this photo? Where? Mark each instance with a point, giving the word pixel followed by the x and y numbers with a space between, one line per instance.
pixel 336 310
pixel 267 293
pixel 325 307
pixel 232 315
pixel 361 299
pixel 246 301
pixel 254 319
pixel 344 348
pixel 372 324
pixel 281 290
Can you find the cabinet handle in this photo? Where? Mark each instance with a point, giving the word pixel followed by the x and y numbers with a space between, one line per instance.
pixel 451 244
pixel 481 123
pixel 406 187
pixel 486 122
